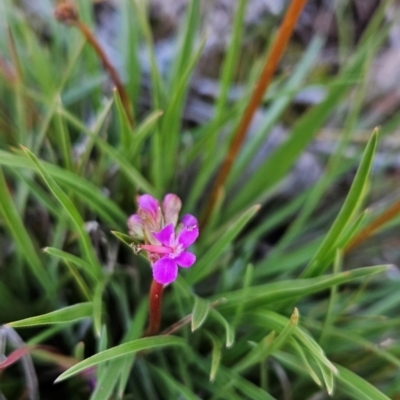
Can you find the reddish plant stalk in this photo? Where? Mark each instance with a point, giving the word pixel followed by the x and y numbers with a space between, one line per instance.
pixel 371 228
pixel 270 65
pixel 155 302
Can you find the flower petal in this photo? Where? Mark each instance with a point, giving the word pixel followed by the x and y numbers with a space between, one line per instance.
pixel 166 236
pixel 165 270
pixel 149 204
pixel 135 226
pixel 150 212
pixel 185 259
pixel 187 236
pixel 189 221
pixel 171 206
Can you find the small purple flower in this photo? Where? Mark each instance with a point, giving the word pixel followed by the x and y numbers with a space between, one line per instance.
pixel 166 248
pixel 151 217
pixel 165 270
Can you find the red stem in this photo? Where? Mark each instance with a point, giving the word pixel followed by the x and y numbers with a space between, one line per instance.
pixel 155 301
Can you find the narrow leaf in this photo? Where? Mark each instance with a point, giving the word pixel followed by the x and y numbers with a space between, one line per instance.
pixel 215 356
pixel 350 205
pixel 62 316
pixel 357 387
pixel 71 210
pixel 200 312
pixel 71 258
pixel 207 262
pixel 120 351
pixel 229 331
pixel 15 225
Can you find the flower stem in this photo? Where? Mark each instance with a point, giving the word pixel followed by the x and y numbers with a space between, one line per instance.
pixel 155 301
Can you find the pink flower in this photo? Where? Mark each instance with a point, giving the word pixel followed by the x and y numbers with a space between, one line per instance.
pixel 156 225
pixel 151 217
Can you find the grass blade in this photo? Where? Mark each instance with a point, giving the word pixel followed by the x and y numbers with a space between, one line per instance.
pixel 207 262
pixel 16 227
pixel 133 347
pixel 71 210
pixel 200 312
pixel 62 316
pixel 351 203
pixel 357 387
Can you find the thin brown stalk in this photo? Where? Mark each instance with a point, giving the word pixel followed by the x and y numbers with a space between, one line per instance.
pixel 67 14
pixel 270 65
pixel 373 226
pixel 109 67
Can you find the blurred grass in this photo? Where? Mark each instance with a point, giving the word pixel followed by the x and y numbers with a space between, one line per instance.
pixel 82 163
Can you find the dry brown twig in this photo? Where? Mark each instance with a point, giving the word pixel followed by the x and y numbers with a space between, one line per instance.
pixel 67 13
pixel 270 65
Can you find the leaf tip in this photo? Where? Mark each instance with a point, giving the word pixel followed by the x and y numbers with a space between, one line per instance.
pixel 294 319
pixel 58 379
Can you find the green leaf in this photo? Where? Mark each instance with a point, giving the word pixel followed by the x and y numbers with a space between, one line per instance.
pixel 15 225
pixel 266 294
pixel 182 66
pixel 206 263
pixel 157 90
pixel 269 345
pixel 125 128
pixel 304 345
pixel 106 382
pixel 143 131
pixel 98 306
pixel 200 312
pixel 277 165
pixel 71 210
pixel 89 193
pixel 248 278
pixel 71 258
pixel 247 388
pixel 229 330
pixel 277 107
pixel 215 356
pixel 357 387
pixel 119 369
pixel 121 350
pixel 62 316
pixel 175 386
pixel 125 364
pixel 256 354
pixel 351 203
pixel 230 62
pixel 131 173
pixel 123 237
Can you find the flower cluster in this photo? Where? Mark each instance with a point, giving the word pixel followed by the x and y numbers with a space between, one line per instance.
pixel 165 240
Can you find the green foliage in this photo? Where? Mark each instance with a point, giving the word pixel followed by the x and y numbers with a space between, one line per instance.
pixel 70 159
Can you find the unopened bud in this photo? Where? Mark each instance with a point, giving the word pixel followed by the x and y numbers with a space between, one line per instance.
pixel 66 13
